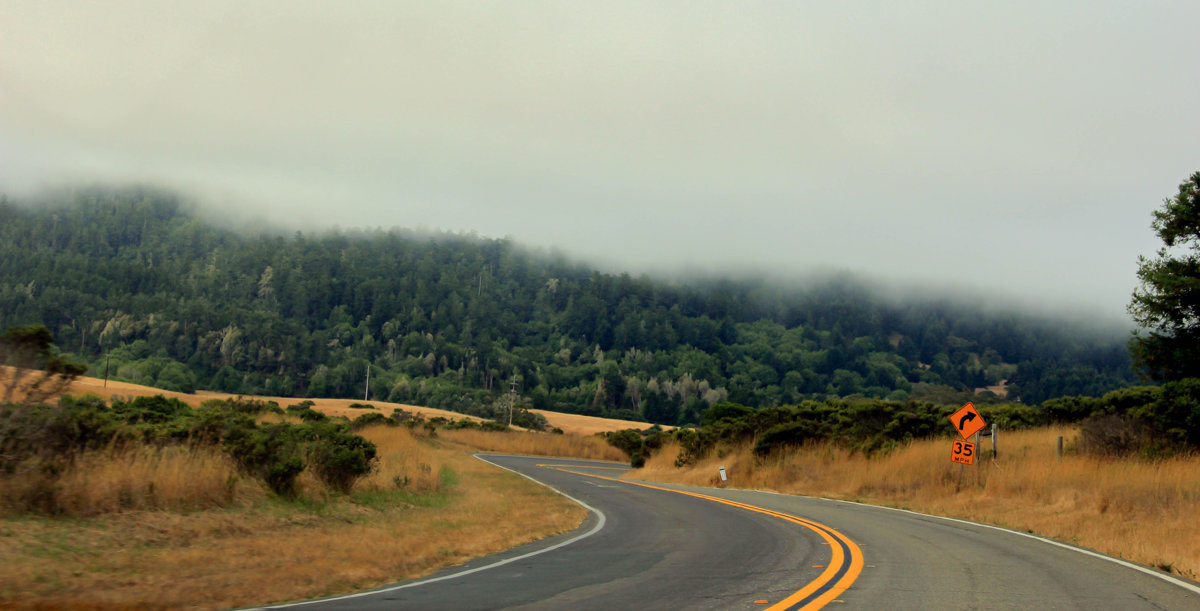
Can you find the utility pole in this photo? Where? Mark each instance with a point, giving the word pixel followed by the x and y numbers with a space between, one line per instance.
pixel 512 399
pixel 367 390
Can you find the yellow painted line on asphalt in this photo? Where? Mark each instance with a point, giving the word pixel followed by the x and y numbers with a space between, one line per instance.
pixel 585 467
pixel 839 544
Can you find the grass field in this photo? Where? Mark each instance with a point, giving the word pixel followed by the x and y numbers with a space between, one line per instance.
pixel 178 528
pixel 1144 511
pixel 570 445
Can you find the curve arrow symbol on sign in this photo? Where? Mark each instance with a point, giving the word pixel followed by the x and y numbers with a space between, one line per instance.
pixel 965 419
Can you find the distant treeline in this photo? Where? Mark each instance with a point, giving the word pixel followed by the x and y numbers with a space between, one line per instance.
pixel 131 282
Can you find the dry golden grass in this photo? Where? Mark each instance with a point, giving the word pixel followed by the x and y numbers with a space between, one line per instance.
pixel 1142 511
pixel 568 445
pixel 451 508
pixel 588 425
pixel 175 478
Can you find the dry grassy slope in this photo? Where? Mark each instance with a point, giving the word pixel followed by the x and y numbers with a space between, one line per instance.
pixel 588 425
pixel 569 423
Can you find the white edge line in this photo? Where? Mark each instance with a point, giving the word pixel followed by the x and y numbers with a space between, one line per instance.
pixel 1125 563
pixel 600 520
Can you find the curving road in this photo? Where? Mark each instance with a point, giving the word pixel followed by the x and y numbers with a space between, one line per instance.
pixel 675 547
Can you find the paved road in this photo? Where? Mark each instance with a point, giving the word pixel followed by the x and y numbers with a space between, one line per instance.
pixel 676 547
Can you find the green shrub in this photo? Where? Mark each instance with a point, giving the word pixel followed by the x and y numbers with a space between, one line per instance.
pixel 694 444
pixel 781 435
pixel 311 415
pixel 1175 414
pixel 151 410
pixel 372 419
pixel 1069 409
pixel 243 405
pixel 626 440
pixel 297 408
pixel 271 453
pixel 726 411
pixel 337 456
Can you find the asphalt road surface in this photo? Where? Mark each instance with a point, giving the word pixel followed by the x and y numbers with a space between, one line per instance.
pixel 676 547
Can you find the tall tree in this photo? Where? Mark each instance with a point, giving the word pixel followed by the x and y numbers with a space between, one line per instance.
pixel 35 371
pixel 1167 304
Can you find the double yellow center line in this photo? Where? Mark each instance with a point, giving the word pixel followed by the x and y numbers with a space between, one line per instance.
pixel 843 569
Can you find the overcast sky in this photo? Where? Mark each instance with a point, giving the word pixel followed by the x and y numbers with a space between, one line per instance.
pixel 1015 147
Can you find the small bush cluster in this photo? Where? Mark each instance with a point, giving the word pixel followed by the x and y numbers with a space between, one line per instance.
pixel 638 445
pixel 1147 420
pixel 49 438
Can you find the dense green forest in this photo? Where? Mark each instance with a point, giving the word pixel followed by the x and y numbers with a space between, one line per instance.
pixel 133 279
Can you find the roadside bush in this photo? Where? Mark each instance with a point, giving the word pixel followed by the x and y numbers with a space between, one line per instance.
pixel 46 439
pixel 52 434
pixel 271 452
pixel 1113 434
pixel 694 444
pixel 638 445
pixel 626 440
pixel 1175 414
pixel 337 456
pixel 725 411
pixel 1069 409
pixel 782 435
pixel 1012 416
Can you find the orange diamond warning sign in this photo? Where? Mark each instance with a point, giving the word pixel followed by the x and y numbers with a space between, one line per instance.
pixel 967 421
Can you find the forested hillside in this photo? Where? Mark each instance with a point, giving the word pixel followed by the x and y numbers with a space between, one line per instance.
pixel 451 320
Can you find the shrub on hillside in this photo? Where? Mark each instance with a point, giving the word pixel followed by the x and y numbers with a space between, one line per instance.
pixel 244 405
pixel 783 435
pixel 311 415
pixel 47 438
pixel 271 452
pixel 337 456
pixel 371 419
pixel 149 410
pixel 297 408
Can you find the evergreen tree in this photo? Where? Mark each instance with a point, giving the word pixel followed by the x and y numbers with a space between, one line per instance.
pixel 1167 304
